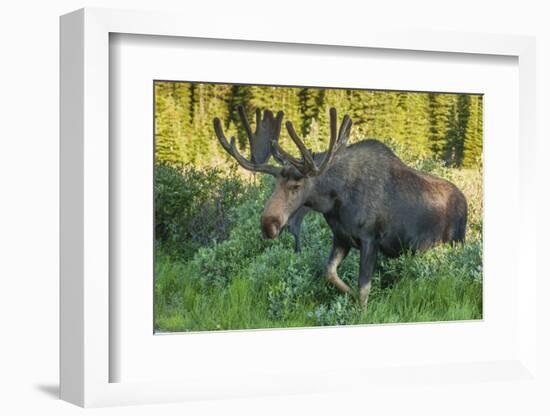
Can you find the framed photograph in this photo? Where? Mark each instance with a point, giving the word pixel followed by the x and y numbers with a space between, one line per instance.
pixel 280 213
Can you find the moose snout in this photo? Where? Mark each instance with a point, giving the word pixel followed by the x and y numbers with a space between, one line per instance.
pixel 271 226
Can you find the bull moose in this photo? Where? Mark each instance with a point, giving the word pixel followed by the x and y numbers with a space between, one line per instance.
pixel 371 200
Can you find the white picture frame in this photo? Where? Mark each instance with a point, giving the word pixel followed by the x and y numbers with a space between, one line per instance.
pixel 85 355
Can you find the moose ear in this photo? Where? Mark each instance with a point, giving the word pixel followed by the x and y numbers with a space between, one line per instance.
pixel 294 174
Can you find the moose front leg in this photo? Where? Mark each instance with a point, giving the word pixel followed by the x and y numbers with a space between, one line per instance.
pixel 337 254
pixel 367 260
pixel 294 224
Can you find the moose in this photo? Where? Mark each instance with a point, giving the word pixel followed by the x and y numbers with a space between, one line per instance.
pixel 371 200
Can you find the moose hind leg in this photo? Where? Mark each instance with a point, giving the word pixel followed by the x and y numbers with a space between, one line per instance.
pixel 367 260
pixel 338 253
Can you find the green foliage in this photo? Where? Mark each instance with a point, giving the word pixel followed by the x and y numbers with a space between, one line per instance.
pixel 457 121
pixel 439 106
pixel 341 311
pixel 193 207
pixel 168 124
pixel 241 281
pixel 473 142
pixel 445 126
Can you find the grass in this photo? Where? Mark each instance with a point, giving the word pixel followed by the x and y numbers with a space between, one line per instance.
pixel 437 295
pixel 245 282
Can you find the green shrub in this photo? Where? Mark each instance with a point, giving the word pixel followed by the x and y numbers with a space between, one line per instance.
pixel 192 207
pixel 341 311
pixel 218 263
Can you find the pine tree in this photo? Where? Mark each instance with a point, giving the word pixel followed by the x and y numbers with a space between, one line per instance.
pixel 319 129
pixel 473 142
pixel 361 111
pixel 167 125
pixel 458 121
pixel 239 95
pixel 309 108
pixel 377 119
pixel 439 107
pixel 416 125
pixel 289 101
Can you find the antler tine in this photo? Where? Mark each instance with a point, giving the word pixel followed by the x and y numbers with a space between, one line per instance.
pixel 275 141
pixel 232 150
pixel 332 142
pixel 306 155
pixel 336 140
pixel 345 129
pixel 307 166
pixel 278 122
pixel 287 157
pixel 258 118
pixel 270 127
pixel 244 120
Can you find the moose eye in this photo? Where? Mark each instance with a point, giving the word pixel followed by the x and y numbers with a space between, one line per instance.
pixel 293 188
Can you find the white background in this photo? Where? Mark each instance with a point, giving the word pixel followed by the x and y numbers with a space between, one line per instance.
pixel 29 209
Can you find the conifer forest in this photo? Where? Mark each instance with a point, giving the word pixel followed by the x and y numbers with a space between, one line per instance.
pixel 448 127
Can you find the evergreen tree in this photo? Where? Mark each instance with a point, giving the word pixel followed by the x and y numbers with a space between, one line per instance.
pixel 361 110
pixel 438 122
pixel 167 125
pixel 377 119
pixel 473 142
pixel 416 124
pixel 181 94
pixel 458 121
pixel 289 101
pixel 239 95
pixel 309 108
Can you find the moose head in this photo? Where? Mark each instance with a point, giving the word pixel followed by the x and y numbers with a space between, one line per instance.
pixel 295 177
